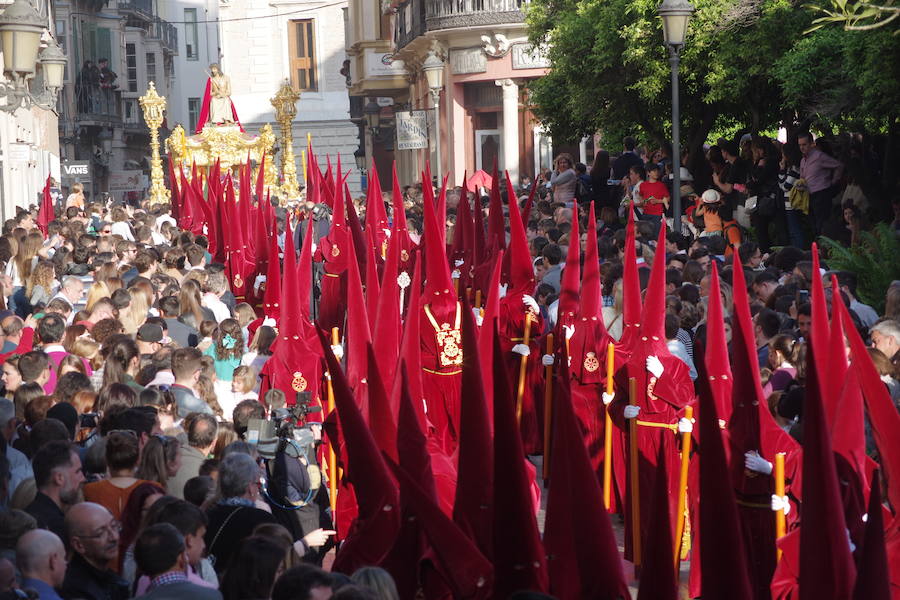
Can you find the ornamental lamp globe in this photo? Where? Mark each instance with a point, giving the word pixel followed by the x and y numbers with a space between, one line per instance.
pixel 675 15
pixel 21 27
pixel 434 72
pixel 360 157
pixel 373 114
pixel 53 63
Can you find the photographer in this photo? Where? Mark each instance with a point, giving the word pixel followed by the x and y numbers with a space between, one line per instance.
pixel 294 485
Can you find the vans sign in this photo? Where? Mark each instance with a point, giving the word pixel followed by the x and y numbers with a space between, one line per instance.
pixel 76 171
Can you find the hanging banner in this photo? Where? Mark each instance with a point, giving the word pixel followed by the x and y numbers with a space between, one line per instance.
pixel 412 130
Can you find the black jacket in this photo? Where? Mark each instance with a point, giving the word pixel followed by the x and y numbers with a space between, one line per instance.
pixel 84 582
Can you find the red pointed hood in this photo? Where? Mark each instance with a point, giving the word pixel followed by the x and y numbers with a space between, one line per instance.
pixel 375 528
pixel 356 230
pixel 358 335
pixel 272 294
pixel 653 317
pixel 313 179
pixel 826 563
pixel 529 204
pixel 410 348
pixel 387 328
pixel 376 218
pixel 463 232
pixel 382 421
pixel 519 558
pixel 399 215
pixel 439 291
pixel 473 508
pixel 305 274
pixel 290 323
pixel 496 221
pixel 486 337
pixel 583 558
pixel 591 286
pixel 462 566
pixel 631 288
pixel 658 573
pixel 717 368
pixel 569 294
pixel 521 270
pixel 373 289
pixel 883 416
pixel 411 443
pixel 722 557
pixel 751 426
pixel 873 579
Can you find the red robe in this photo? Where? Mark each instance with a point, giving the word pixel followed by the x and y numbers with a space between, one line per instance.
pixel 512 328
pixel 661 401
pixel 204 111
pixel 333 300
pixel 441 357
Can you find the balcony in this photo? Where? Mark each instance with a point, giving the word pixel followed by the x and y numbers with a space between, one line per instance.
pixel 449 14
pixel 132 116
pixel 141 9
pixel 165 32
pixel 93 104
pixel 416 17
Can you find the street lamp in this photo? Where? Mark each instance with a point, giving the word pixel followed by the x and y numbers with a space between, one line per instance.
pixel 360 157
pixel 21 29
pixel 434 75
pixel 372 113
pixel 675 15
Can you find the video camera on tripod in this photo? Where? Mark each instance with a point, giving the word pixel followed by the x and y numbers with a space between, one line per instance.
pixel 286 430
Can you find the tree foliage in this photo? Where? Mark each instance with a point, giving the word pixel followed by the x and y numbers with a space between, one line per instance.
pixel 744 62
pixel 873 261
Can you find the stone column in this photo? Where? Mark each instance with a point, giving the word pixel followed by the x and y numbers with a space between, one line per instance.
pixel 510 128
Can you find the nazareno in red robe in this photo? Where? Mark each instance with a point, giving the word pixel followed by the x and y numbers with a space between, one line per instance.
pixel 203 117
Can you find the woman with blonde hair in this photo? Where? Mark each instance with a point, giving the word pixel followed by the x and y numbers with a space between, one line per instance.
pixel 190 306
pixel 98 290
pixel 19 270
pixel 136 313
pixel 88 349
pixel 76 198
pixel 106 271
pixel 120 224
pixel 563 179
pixel 41 283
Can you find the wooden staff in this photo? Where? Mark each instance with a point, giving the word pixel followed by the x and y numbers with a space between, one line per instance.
pixel 682 485
pixel 477 298
pixel 780 524
pixel 523 367
pixel 332 457
pixel 469 293
pixel 303 161
pixel 635 483
pixel 548 408
pixel 456 286
pixel 607 432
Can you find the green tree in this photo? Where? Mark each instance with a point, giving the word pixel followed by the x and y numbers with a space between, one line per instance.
pixel 611 71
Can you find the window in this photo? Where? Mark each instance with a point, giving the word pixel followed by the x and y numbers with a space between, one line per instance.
pixel 193 113
pixel 131 67
pixel 151 67
pixel 302 44
pixel 191 47
pixel 61 38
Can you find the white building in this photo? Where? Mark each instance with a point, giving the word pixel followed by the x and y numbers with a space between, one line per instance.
pixel 29 151
pixel 264 43
pixel 198 46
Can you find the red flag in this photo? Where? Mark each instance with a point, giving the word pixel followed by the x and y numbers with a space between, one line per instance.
pixel 45 212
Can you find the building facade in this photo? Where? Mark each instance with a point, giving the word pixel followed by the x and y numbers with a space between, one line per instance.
pixel 483 115
pixel 266 42
pixel 100 121
pixel 29 150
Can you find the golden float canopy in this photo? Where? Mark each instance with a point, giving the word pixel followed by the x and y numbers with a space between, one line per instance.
pixel 227 143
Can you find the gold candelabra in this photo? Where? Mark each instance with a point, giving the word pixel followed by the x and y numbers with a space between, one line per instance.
pixel 154 107
pixel 285 104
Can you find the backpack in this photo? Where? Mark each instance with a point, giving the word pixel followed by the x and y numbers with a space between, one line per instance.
pixel 583 191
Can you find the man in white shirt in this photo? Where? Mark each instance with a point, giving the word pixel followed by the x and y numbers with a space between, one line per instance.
pixel 215 287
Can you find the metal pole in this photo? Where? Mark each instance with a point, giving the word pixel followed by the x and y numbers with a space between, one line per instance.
pixel 436 99
pixel 676 141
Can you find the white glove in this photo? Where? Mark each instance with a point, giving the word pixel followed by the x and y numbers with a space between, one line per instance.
pixel 754 462
pixel 313 247
pixel 654 366
pixel 260 279
pixel 631 411
pixel 455 274
pixel 547 360
pixel 503 287
pixel 521 349
pixel 781 503
pixel 458 263
pixel 338 351
pixel 531 303
pixel 268 322
pixel 479 318
pixel 570 331
pixel 608 398
pixel 685 425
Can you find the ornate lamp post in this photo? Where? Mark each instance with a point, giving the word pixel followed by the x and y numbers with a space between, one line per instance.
pixel 285 104
pixel 675 15
pixel 154 106
pixel 21 28
pixel 434 74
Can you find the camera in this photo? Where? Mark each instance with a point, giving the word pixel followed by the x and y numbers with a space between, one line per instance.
pixel 280 433
pixel 89 420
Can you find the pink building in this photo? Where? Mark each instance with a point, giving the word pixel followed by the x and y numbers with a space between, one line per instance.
pixel 482 51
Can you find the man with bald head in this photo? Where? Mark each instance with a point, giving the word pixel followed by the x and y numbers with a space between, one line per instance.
pixel 18 335
pixel 94 539
pixel 41 558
